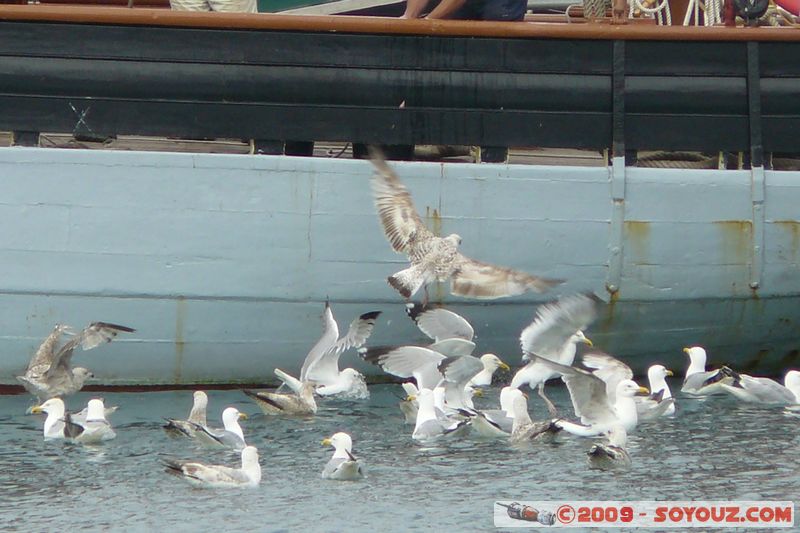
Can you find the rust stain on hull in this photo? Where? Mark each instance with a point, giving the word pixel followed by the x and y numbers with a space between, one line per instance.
pixel 637 241
pixel 180 320
pixel 792 227
pixel 605 325
pixel 736 240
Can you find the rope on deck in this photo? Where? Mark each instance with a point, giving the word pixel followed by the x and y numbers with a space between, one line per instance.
pixel 661 11
pixel 595 9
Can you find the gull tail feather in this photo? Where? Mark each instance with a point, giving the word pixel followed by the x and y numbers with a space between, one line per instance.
pixel 407 282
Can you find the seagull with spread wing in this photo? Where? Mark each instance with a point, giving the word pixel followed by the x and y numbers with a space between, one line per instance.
pixel 612 371
pixel 451 333
pixel 553 335
pixel 322 362
pixel 597 411
pixel 50 374
pixel 436 258
pixel 452 336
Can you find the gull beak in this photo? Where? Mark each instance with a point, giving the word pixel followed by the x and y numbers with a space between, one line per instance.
pixel 504 366
pixel 669 372
pixel 242 416
pixel 36 409
pixel 686 351
pixel 326 442
pixel 588 342
pixel 411 397
pixel 643 391
pixel 478 393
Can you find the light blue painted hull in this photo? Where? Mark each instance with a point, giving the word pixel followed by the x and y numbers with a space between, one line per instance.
pixel 222 262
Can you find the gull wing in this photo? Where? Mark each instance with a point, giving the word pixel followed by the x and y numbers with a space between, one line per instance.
pixel 292 382
pixel 429 429
pixel 326 368
pixel 610 369
pixel 766 390
pixel 453 347
pixel 587 392
pixel 653 406
pixel 460 369
pixel 221 437
pixel 92 336
pixel 211 474
pixel 400 220
pixel 42 360
pixel 457 372
pixel 72 429
pixel 330 334
pixel 485 281
pixel 183 427
pixel 98 333
pixel 697 381
pixel 342 468
pixel 439 323
pixel 216 474
pixel 407 362
pixel 555 323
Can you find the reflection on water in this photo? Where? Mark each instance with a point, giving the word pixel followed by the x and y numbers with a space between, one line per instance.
pixel 713 449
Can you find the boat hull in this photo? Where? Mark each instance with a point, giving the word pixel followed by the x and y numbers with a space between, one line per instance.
pixel 222 262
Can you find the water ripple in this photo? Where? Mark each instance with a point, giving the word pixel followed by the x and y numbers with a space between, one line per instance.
pixel 713 449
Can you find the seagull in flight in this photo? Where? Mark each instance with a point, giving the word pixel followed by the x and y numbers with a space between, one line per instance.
pixel 435 258
pixel 50 373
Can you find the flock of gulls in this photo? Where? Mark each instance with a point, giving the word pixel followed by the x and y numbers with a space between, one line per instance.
pixel 440 379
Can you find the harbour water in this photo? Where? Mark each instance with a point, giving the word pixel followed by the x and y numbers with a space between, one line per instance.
pixel 713 449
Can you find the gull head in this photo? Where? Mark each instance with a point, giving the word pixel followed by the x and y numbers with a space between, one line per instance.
pixel 629 388
pixel 250 464
pixel 351 376
pixel 454 238
pixel 658 373
pixel 81 374
pixel 95 410
pixel 580 337
pixel 792 382
pixel 231 417
pixel 697 356
pixel 491 362
pixel 53 406
pixel 200 398
pixel 340 441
